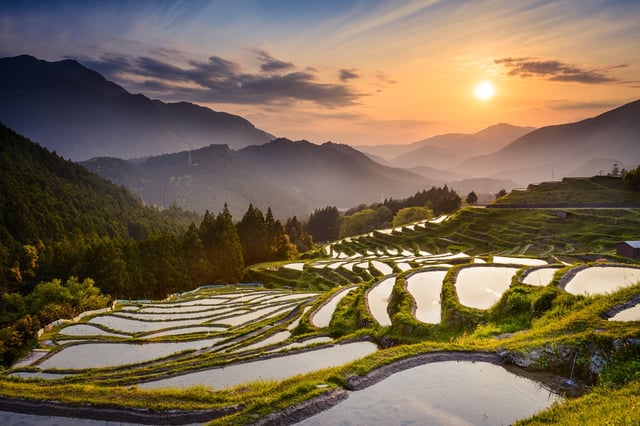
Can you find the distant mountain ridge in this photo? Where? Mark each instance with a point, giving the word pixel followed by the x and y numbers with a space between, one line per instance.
pixel 447 150
pixel 75 111
pixel 554 152
pixel 294 178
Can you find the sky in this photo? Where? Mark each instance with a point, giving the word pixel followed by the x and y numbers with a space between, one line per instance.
pixel 356 72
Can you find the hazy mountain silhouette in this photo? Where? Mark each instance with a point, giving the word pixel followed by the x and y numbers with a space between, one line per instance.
pixel 558 151
pixel 75 111
pixel 291 177
pixel 598 166
pixel 447 150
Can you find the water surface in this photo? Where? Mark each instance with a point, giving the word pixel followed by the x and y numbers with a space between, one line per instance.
pixel 602 279
pixel 322 317
pixel 443 393
pixel 378 300
pixel 97 355
pixel 540 277
pixel 629 314
pixel 278 368
pixel 482 286
pixel 425 287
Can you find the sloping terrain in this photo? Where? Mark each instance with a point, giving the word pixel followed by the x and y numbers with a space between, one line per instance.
pixel 76 112
pixel 448 150
pixel 556 151
pixel 292 177
pixel 259 334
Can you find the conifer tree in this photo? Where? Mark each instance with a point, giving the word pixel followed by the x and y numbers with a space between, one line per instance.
pixel 229 260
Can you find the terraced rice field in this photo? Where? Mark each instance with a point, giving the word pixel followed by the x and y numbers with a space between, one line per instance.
pixel 220 336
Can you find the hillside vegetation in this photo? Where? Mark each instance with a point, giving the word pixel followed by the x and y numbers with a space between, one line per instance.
pixel 575 191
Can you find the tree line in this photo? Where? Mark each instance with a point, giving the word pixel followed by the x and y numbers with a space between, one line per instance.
pixel 327 224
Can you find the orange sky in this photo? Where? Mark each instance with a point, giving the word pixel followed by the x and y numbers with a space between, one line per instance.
pixel 348 71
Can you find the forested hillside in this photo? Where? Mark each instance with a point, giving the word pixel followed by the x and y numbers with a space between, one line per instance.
pixel 71 241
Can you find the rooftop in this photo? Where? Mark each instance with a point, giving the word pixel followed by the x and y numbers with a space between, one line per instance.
pixel 634 244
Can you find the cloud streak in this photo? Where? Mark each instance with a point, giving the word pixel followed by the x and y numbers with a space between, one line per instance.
pixel 346 75
pixel 554 70
pixel 219 80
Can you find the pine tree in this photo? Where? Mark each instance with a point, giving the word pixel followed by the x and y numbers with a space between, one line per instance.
pixel 228 248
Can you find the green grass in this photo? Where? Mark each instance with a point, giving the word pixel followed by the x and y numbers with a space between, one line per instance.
pixel 597 189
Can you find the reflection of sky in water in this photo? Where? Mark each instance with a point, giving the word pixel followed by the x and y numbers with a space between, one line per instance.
pixel 540 277
pixel 322 317
pixel 480 287
pixel 602 279
pixel 629 314
pixel 378 299
pixel 277 368
pixel 425 287
pixel 451 393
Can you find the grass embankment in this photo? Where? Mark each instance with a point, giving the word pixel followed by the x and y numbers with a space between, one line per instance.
pixel 596 189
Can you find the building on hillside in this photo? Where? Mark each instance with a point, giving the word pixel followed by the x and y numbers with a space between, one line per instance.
pixel 629 249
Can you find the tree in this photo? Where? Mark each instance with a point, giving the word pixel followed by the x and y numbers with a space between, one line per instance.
pixel 632 179
pixel 365 221
pixel 501 193
pixel 229 260
pixel 253 236
pixel 615 170
pixel 293 228
pixel 411 214
pixel 472 198
pixel 323 224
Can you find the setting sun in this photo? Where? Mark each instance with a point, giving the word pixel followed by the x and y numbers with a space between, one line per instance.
pixel 484 91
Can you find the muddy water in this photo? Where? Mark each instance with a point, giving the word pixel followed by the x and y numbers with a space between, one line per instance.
pixel 442 393
pixel 278 368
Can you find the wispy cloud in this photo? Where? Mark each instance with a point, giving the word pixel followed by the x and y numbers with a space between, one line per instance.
pixel 346 74
pixel 219 80
pixel 271 64
pixel 554 70
pixel 385 78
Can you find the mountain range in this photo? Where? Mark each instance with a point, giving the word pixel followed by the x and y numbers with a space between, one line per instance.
pixel 447 150
pixel 291 177
pixel 184 154
pixel 554 152
pixel 77 113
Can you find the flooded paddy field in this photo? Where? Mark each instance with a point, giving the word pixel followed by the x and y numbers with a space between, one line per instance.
pixel 602 279
pixel 449 392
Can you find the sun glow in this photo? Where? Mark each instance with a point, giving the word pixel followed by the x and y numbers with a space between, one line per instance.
pixel 484 91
